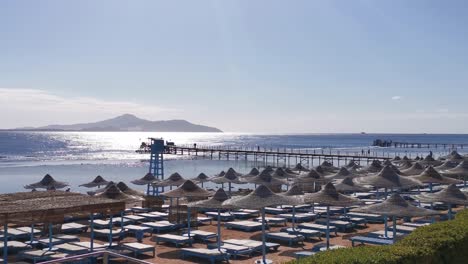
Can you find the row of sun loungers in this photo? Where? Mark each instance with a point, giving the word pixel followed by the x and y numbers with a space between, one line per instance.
pixel 247 226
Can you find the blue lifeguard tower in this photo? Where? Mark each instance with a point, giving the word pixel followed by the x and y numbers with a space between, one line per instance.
pixel 157 161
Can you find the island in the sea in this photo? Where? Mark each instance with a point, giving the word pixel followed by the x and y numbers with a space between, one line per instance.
pixel 128 122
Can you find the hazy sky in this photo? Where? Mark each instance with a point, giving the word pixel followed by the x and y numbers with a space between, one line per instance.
pixel 252 66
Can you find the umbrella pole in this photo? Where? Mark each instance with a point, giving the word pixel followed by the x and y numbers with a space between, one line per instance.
pixel 433 217
pixel 229 189
pixel 449 212
pixel 394 229
pixel 188 224
pixel 5 243
pixel 219 229
pixel 385 225
pixel 430 187
pixel 202 184
pixel 263 237
pixel 91 243
pixel 50 236
pixel 122 220
pixel 328 227
pixel 32 234
pixel 148 189
pixel 293 216
pixel 110 231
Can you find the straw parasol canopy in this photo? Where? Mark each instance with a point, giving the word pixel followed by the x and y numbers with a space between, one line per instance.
pixel 260 198
pixel 187 189
pixel 450 195
pixel 295 190
pixel 97 182
pixel 406 158
pixel 253 172
pixel 147 179
pixel 429 160
pixel 48 183
pixel 396 206
pixel 415 169
pixel 352 164
pixel 214 202
pixel 229 177
pixel 396 158
pixel 201 178
pixel 322 171
pixel 112 191
pixel 310 177
pixel 174 180
pixel 331 197
pixel 461 170
pixel 387 162
pixel 430 175
pixel 265 178
pixel 127 190
pixel 279 173
pixel 387 178
pixel 405 164
pixel 347 185
pixel 328 166
pixel 299 167
pixel 268 169
pixel 447 165
pixel 341 174
pixel 374 167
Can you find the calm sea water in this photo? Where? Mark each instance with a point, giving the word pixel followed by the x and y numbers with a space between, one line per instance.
pixel 77 157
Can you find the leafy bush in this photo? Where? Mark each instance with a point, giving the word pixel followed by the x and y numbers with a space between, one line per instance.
pixel 444 242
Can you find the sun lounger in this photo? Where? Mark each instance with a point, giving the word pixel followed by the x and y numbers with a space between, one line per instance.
pixel 160 226
pixel 381 234
pixel 371 218
pixel 285 237
pixel 202 235
pixel 14 246
pixel 161 215
pixel 204 220
pixel 139 209
pixel 250 211
pixel 321 228
pixel 138 231
pixel 241 215
pixel 234 250
pixel 212 255
pixel 273 220
pixel 150 217
pixel 402 229
pixel 98 223
pixel 256 245
pixel 315 250
pixel 71 249
pixel 412 224
pixel 105 233
pixel 370 240
pixel 139 248
pixel 67 238
pixel 17 234
pixel 174 239
pixel 87 245
pixel 28 230
pixel 300 217
pixel 74 228
pixel 46 242
pixel 306 233
pixel 223 216
pixel 357 221
pixel 275 211
pixel 339 224
pixel 134 218
pixel 246 226
pixel 36 255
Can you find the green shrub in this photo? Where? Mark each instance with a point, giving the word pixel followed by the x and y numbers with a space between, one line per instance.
pixel 444 242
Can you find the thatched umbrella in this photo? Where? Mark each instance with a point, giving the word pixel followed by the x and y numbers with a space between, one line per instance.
pixel 174 180
pixel 253 172
pixel 429 160
pixel 127 190
pixel 265 178
pixel 460 171
pixel 387 162
pixel 279 173
pixel 447 165
pixel 387 178
pixel 453 156
pixel 430 176
pixel 322 171
pixel 328 196
pixel 352 164
pixel 311 178
pixel 230 177
pixel 300 168
pixel 201 178
pixel 147 180
pixel 396 206
pixel 112 191
pixel 259 199
pixel 374 167
pixel 328 166
pixel 415 169
pixel 347 185
pixel 450 195
pixel 341 174
pixel 189 190
pixel 215 202
pixel 97 182
pixel 405 164
pixel 396 158
pixel 48 183
pixel 296 192
pixel 405 158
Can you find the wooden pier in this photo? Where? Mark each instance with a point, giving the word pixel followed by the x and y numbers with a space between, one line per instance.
pixel 429 145
pixel 275 157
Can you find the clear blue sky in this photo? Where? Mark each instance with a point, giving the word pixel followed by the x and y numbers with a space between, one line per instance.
pixel 253 66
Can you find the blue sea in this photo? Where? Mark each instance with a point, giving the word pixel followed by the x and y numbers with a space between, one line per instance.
pixel 77 157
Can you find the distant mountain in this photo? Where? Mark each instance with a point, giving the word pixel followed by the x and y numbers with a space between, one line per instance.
pixel 129 122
